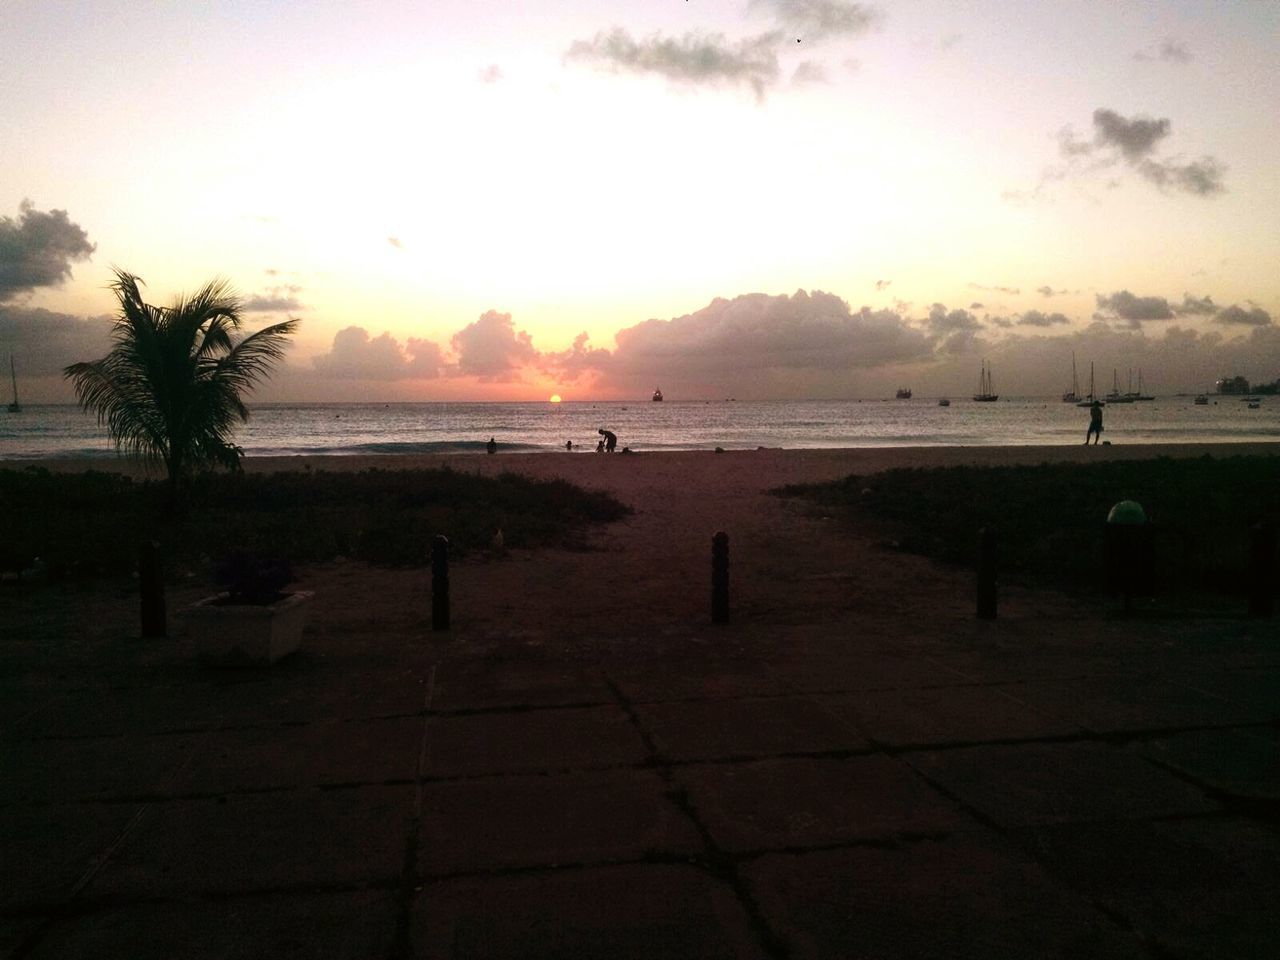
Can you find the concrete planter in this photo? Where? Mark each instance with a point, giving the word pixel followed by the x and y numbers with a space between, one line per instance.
pixel 236 635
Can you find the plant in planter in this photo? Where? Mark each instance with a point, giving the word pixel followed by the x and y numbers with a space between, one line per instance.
pixel 254 621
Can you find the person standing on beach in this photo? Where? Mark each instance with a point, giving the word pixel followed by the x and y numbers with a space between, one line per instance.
pixel 492 445
pixel 1095 423
pixel 610 440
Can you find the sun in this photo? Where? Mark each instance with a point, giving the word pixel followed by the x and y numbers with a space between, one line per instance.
pixel 555 398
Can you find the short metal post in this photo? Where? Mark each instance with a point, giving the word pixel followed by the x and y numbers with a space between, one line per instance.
pixel 1262 570
pixel 720 578
pixel 987 573
pixel 440 583
pixel 151 589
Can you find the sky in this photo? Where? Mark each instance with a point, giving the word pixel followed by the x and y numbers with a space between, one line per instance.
pixel 491 200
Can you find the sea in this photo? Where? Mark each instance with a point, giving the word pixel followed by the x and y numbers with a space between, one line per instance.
pixel 336 429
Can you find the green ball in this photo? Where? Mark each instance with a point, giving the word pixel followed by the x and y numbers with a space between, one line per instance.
pixel 1128 512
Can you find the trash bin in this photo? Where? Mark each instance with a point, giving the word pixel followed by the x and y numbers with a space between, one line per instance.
pixel 1130 552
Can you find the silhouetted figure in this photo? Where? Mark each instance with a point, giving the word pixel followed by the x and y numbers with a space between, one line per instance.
pixel 492 445
pixel 1095 423
pixel 610 440
pixel 568 445
pixel 600 446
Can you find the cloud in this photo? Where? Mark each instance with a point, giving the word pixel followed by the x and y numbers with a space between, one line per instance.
pixel 953 331
pixel 883 284
pixel 809 72
pixel 579 360
pixel 355 355
pixel 1012 291
pixel 1132 141
pixel 1134 138
pixel 37 250
pixel 490 74
pixel 806 344
pixel 976 305
pixel 950 41
pixel 1048 291
pixel 395 242
pixel 1201 177
pixel 691 59
pixel 818 20
pixel 1035 318
pixel 1196 306
pixel 43 342
pixel 1126 306
pixel 1169 50
pixel 279 299
pixel 1253 316
pixel 492 350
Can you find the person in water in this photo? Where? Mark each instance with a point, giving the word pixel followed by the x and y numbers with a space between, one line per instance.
pixel 610 440
pixel 1095 423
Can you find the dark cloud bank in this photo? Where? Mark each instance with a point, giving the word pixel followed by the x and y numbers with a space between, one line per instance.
pixel 813 344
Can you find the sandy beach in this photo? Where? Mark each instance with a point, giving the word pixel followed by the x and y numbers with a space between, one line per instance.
pixel 647 576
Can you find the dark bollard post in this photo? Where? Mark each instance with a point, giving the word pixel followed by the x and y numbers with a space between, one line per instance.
pixel 151 589
pixel 440 583
pixel 720 578
pixel 987 573
pixel 1262 570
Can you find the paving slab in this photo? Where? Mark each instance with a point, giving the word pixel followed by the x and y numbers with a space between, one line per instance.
pixel 250 842
pixel 542 821
pixel 1195 888
pixel 1023 784
pixel 527 741
pixel 1129 704
pixel 710 678
pixel 53 771
pixel 1258 690
pixel 853 668
pixel 941 715
pixel 775 804
pixel 964 895
pixel 47 849
pixel 629 912
pixel 721 729
pixel 1243 762
pixel 486 684
pixel 319 753
pixel 338 926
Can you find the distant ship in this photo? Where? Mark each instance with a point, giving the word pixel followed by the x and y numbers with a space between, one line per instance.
pixel 1202 400
pixel 657 395
pixel 985 394
pixel 904 393
pixel 944 402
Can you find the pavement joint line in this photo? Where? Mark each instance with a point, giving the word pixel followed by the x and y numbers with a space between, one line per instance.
pixel 403 944
pixel 717 862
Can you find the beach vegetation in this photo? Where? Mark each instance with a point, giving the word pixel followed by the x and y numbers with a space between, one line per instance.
pixel 171 388
pixel 1050 518
pixel 88 524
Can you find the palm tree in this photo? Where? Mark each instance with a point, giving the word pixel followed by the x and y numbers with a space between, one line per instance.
pixel 170 387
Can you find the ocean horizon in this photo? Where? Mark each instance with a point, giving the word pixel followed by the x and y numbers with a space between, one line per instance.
pixel 60 431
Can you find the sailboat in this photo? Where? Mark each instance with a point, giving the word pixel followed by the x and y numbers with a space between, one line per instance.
pixel 1072 395
pixel 14 407
pixel 1091 397
pixel 1140 395
pixel 984 394
pixel 1115 396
